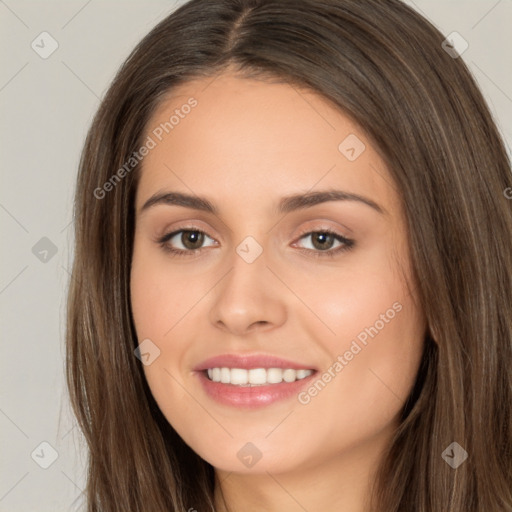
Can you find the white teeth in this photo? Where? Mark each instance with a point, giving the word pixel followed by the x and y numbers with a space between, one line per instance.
pixel 289 375
pixel 274 375
pixel 256 376
pixel 302 373
pixel 239 376
pixel 225 375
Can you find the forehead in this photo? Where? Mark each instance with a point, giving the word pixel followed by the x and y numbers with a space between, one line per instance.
pixel 260 139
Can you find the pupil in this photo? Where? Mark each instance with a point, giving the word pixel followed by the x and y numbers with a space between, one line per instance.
pixel 324 237
pixel 192 238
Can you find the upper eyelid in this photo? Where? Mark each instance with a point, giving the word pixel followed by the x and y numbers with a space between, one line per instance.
pixel 195 225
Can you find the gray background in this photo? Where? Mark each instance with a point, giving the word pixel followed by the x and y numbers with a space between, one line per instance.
pixel 46 106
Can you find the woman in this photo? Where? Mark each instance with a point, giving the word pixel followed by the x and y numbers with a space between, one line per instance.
pixel 293 269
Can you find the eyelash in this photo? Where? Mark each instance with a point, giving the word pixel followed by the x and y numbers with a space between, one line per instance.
pixel 348 244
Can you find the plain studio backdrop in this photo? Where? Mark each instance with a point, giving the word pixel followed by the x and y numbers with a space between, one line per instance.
pixel 49 92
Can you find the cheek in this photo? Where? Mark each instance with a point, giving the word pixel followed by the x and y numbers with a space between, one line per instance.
pixel 160 303
pixel 367 289
pixel 161 296
pixel 371 372
pixel 374 342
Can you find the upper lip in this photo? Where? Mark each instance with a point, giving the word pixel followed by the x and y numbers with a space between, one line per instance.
pixel 248 361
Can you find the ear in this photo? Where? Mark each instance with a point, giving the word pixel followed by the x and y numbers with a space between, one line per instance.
pixel 432 333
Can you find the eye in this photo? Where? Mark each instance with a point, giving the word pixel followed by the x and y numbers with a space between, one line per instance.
pixel 322 243
pixel 191 241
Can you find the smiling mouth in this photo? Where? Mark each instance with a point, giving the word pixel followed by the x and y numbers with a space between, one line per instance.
pixel 255 376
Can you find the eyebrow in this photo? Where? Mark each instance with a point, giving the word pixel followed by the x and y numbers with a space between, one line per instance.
pixel 286 204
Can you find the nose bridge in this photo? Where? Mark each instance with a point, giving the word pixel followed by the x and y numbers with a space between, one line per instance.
pixel 248 262
pixel 245 281
pixel 248 294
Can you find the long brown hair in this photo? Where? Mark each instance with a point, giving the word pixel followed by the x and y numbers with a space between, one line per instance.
pixel 384 66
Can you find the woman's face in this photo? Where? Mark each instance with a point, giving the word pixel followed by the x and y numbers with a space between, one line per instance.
pixel 265 289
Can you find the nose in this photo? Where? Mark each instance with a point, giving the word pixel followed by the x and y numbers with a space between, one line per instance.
pixel 248 298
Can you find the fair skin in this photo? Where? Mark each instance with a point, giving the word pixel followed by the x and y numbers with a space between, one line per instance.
pixel 244 146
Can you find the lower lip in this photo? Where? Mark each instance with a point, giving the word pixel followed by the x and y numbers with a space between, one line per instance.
pixel 251 396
